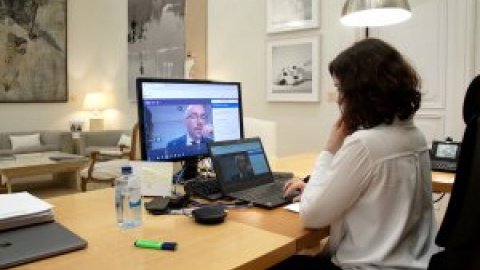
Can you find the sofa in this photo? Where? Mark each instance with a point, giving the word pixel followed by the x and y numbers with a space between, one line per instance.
pixel 36 141
pixel 91 141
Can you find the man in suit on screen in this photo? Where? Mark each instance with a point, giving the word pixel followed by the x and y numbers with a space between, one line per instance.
pixel 197 131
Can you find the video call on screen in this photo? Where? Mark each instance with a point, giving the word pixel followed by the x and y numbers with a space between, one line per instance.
pixel 446 151
pixel 165 107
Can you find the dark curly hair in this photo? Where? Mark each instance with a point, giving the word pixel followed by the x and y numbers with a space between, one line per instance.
pixel 376 84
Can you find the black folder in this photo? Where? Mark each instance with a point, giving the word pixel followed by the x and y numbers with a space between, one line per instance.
pixel 26 244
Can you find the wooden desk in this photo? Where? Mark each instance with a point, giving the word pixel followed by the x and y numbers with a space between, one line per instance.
pixel 442 182
pixel 231 245
pixel 302 165
pixel 249 239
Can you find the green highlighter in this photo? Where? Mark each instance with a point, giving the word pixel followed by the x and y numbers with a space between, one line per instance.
pixel 172 246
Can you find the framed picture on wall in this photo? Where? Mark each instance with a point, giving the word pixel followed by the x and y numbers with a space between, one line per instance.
pixel 156 41
pixel 289 15
pixel 33 65
pixel 292 70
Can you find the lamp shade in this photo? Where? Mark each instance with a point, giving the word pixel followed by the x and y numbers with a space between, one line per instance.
pixel 95 101
pixel 365 13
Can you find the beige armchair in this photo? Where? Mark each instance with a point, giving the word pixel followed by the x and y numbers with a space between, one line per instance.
pixel 105 166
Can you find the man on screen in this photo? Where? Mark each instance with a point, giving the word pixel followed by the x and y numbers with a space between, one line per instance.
pixel 196 127
pixel 244 168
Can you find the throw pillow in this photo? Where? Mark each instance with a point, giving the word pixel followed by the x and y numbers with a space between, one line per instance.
pixel 125 140
pixel 22 141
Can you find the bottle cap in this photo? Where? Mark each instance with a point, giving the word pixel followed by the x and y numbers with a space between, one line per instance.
pixel 126 169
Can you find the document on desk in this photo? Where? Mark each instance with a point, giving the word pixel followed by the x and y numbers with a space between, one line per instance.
pixel 22 209
pixel 155 177
pixel 294 207
pixel 449 179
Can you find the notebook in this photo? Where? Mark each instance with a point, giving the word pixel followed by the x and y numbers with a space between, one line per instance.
pixel 243 172
pixel 26 244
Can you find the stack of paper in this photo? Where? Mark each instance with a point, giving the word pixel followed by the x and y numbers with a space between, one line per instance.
pixel 21 209
pixel 294 207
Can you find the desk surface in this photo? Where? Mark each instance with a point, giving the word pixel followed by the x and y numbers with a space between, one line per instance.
pixel 231 245
pixel 249 239
pixel 303 163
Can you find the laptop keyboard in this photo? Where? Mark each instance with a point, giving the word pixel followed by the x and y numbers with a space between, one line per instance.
pixel 271 192
pixel 445 166
pixel 204 188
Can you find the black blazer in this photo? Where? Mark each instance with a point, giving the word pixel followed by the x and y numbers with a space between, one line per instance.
pixel 182 141
pixel 459 233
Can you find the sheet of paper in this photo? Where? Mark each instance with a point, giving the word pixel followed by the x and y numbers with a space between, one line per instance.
pixel 444 179
pixel 155 177
pixel 21 204
pixel 294 207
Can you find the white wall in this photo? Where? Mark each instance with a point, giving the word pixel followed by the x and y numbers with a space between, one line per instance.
pixel 97 56
pixel 237 51
pixel 439 42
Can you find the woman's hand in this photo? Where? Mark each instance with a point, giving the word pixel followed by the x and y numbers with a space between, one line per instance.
pixel 292 185
pixel 337 135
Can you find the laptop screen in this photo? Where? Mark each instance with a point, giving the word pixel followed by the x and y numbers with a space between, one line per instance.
pixel 240 164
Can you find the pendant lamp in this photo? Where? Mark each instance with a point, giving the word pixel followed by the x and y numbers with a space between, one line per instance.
pixel 371 13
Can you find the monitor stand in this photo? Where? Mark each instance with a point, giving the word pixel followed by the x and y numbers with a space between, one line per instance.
pixel 188 171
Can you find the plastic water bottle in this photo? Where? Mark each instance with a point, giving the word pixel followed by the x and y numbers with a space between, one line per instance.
pixel 128 199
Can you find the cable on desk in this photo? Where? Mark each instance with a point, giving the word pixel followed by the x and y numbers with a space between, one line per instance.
pixel 188 211
pixel 176 180
pixel 439 198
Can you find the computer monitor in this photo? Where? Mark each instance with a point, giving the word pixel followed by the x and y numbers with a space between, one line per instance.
pixel 178 117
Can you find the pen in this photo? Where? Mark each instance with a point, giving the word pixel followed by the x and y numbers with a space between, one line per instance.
pixel 156 245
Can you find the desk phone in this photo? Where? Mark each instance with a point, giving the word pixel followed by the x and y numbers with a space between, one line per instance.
pixel 444 156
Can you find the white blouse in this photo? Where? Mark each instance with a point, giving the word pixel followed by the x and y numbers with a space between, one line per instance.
pixel 376 195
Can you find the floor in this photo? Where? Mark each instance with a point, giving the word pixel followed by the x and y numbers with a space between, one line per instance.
pixel 44 188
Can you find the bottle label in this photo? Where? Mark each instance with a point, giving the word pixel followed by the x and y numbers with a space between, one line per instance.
pixel 137 203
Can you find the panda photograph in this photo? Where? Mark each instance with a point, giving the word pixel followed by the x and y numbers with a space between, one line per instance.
pixel 292 68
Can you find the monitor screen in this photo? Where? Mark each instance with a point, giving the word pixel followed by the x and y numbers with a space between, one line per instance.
pixel 446 150
pixel 177 118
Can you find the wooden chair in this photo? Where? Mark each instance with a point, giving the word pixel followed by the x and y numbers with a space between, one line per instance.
pixel 101 171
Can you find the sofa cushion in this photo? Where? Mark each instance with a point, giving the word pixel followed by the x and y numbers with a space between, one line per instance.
pixel 5 152
pixel 125 140
pixel 62 140
pixel 25 141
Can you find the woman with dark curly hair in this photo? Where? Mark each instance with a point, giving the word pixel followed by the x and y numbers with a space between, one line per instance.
pixel 372 182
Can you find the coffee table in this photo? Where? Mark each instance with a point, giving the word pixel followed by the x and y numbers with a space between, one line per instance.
pixel 39 164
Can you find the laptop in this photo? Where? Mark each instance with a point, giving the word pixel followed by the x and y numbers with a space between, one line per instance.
pixel 26 244
pixel 243 173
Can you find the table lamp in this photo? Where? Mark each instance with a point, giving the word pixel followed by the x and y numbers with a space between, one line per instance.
pixel 95 102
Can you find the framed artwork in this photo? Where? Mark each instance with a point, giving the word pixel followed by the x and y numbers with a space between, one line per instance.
pixel 33 51
pixel 289 15
pixel 156 41
pixel 292 70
